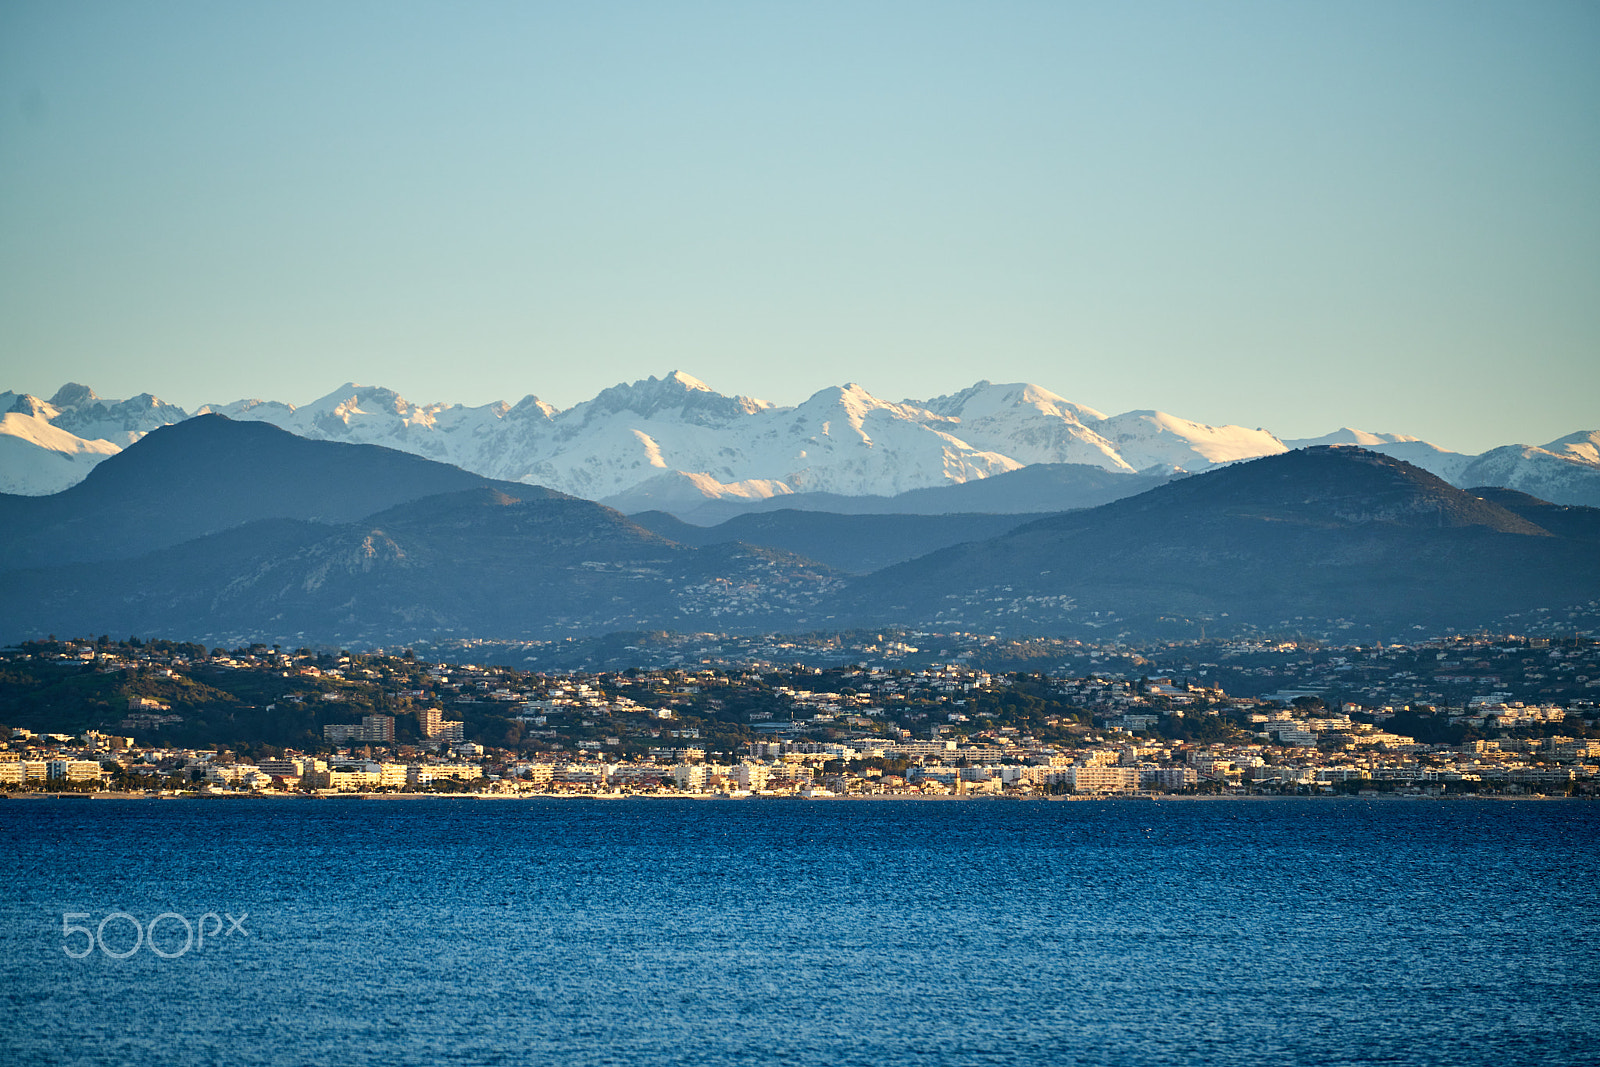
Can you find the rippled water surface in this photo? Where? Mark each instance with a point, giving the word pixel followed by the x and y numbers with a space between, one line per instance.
pixel 775 931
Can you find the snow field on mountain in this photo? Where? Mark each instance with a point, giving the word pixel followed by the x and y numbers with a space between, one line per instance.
pixel 674 439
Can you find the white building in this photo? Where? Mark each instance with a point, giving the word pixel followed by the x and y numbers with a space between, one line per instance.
pixel 752 777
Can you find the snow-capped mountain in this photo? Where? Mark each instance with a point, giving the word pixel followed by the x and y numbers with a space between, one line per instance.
pixel 48 445
pixel 674 443
pixel 1148 439
pixel 37 458
pixel 1345 435
pixel 480 439
pixel 1583 445
pixel 841 440
pixel 78 410
pixel 1560 477
pixel 1034 425
pixel 1027 423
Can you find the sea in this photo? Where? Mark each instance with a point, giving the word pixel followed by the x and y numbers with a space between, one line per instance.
pixel 1322 931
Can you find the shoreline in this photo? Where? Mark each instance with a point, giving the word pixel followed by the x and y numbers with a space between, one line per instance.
pixel 1155 798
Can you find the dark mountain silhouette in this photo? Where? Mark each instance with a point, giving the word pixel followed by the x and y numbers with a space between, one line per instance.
pixel 1563 520
pixel 479 562
pixel 210 474
pixel 1317 533
pixel 856 544
pixel 240 531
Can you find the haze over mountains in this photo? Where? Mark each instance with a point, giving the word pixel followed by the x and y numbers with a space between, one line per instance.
pixel 672 444
pixel 218 530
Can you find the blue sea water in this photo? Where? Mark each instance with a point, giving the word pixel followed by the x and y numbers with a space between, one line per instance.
pixel 461 931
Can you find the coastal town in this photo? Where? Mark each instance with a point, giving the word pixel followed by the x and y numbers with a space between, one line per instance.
pixel 901 714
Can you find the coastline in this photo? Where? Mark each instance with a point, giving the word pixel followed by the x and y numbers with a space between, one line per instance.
pixel 1155 798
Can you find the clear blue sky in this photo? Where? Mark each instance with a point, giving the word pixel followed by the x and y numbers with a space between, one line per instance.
pixel 1384 214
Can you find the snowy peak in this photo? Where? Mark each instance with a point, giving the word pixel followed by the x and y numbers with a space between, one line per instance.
pixel 1028 423
pixel 849 440
pixel 986 400
pixel 351 404
pixel 1560 477
pixel 1151 438
pixel 1583 446
pixel 681 394
pixel 82 413
pixel 72 395
pixel 1346 435
pixel 842 439
pixel 530 406
pixel 688 381
pixel 26 404
pixel 48 447
pixel 850 405
pixel 250 410
pixel 38 458
pixel 38 431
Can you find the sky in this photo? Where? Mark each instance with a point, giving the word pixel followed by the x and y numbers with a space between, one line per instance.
pixel 1299 216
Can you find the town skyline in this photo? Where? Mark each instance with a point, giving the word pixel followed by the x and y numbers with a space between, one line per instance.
pixel 815 717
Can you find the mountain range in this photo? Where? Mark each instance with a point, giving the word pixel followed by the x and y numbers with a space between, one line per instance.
pixel 214 528
pixel 219 530
pixel 672 444
pixel 1326 533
